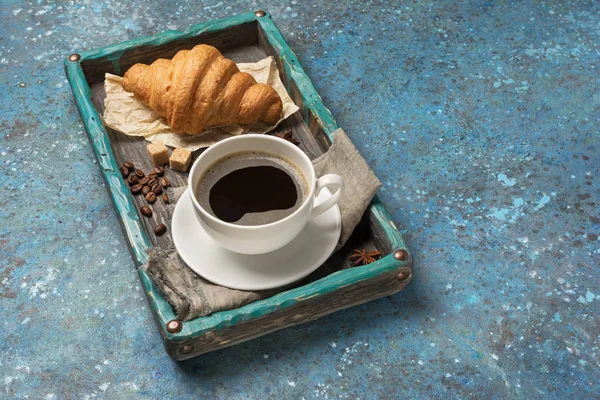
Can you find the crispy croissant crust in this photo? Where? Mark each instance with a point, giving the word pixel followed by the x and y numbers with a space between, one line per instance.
pixel 200 88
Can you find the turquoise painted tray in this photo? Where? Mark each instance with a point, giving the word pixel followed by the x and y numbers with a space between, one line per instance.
pixel 336 285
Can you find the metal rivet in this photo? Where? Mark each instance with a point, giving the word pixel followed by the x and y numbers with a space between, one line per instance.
pixel 403 275
pixel 400 255
pixel 174 326
pixel 74 57
pixel 260 13
pixel 187 349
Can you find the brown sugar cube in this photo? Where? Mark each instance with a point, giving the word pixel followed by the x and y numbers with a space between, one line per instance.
pixel 158 152
pixel 180 159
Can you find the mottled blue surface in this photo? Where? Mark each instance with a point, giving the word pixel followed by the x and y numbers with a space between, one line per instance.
pixel 482 121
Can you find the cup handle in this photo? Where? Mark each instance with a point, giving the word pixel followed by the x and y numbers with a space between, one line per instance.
pixel 328 180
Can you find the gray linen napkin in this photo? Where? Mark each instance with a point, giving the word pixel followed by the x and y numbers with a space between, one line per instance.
pixel 193 296
pixel 360 183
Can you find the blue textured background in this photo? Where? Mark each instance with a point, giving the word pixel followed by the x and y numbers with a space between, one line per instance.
pixel 480 118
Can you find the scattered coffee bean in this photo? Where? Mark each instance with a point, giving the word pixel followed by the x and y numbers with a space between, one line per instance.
pixel 152 182
pixel 152 175
pixel 132 179
pixel 146 211
pixel 165 182
pixel 137 189
pixel 124 171
pixel 146 189
pixel 165 198
pixel 140 174
pixel 144 180
pixel 157 189
pixel 160 229
pixel 151 197
pixel 160 171
pixel 129 165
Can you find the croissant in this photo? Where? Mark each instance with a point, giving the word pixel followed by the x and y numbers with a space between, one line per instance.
pixel 200 88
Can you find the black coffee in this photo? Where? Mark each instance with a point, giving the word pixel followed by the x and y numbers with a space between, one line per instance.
pixel 251 188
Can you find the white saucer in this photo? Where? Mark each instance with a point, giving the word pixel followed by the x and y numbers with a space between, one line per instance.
pixel 300 257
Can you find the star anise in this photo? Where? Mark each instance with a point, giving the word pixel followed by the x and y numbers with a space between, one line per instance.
pixel 288 136
pixel 363 257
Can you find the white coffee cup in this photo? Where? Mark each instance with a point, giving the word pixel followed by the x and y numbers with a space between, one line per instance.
pixel 260 239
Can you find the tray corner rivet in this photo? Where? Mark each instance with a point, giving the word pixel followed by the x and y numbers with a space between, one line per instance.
pixel 401 255
pixel 74 57
pixel 174 326
pixel 187 349
pixel 260 13
pixel 403 275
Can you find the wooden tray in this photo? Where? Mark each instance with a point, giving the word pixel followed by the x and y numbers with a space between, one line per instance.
pixel 334 286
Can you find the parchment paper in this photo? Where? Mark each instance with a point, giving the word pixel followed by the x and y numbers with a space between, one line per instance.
pixel 124 113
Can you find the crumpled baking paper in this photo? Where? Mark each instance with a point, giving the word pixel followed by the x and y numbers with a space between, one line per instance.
pixel 124 113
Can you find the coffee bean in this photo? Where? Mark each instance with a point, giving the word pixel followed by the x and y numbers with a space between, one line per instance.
pixel 124 171
pixel 157 189
pixel 160 171
pixel 146 211
pixel 165 198
pixel 146 189
pixel 151 197
pixel 145 180
pixel 132 179
pixel 152 175
pixel 165 182
pixel 152 182
pixel 140 174
pixel 128 165
pixel 160 229
pixel 137 189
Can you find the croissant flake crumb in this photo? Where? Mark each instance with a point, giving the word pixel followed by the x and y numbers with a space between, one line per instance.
pixel 158 152
pixel 180 159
